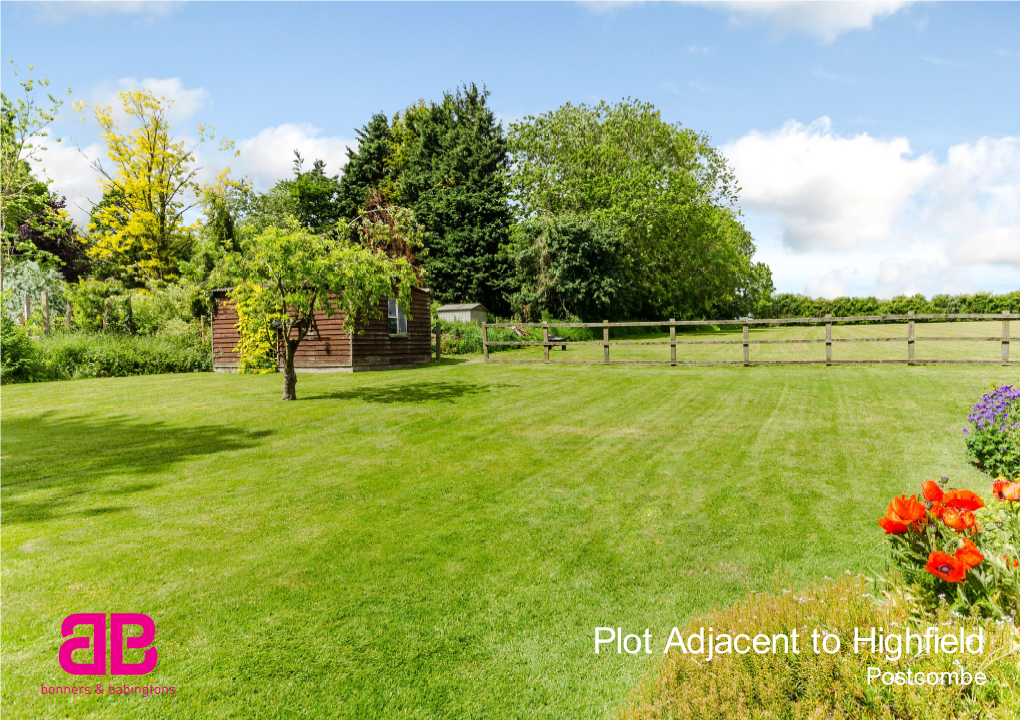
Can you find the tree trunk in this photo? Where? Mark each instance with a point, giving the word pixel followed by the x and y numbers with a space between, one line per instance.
pixel 289 374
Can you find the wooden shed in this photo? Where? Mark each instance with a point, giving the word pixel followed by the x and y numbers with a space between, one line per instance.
pixel 463 312
pixel 390 341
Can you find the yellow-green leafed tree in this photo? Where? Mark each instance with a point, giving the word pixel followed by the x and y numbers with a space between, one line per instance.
pixel 148 188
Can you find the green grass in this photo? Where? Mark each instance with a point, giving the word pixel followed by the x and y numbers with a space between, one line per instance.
pixel 439 542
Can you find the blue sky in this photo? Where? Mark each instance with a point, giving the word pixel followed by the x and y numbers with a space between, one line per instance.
pixel 878 144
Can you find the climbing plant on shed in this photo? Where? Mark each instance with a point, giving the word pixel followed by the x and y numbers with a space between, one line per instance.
pixel 256 344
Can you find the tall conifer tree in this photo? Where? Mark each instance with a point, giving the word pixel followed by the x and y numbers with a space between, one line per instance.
pixel 454 180
pixel 367 167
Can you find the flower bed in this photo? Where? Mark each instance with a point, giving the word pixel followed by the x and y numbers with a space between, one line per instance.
pixel 953 550
pixel 993 440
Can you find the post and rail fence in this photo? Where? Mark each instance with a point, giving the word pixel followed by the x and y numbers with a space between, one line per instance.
pixel 910 338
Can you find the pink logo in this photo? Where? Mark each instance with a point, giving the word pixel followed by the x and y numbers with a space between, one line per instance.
pixel 117 641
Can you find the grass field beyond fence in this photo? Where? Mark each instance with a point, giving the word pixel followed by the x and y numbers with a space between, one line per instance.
pixel 973 340
pixel 439 542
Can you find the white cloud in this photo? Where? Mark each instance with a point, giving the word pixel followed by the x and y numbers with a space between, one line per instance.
pixel 605 6
pixel 269 156
pixel 73 177
pixel 819 202
pixel 830 191
pixel 928 276
pixel 832 284
pixel 186 101
pixel 824 20
pixel 265 159
pixel 61 12
pixel 973 203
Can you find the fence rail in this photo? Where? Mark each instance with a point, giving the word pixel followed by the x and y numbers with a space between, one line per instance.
pixel 910 338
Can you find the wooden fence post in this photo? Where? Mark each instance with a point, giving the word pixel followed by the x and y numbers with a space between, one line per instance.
pixel 67 317
pixel 45 312
pixel 910 339
pixel 1005 339
pixel 828 340
pixel 129 319
pixel 545 339
pixel 605 342
pixel 485 342
pixel 747 349
pixel 672 341
pixel 28 309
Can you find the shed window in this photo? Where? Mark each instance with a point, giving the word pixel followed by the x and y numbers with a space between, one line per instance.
pixel 398 321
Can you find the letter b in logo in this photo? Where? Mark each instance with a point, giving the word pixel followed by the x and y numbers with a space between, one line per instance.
pixel 98 664
pixel 117 640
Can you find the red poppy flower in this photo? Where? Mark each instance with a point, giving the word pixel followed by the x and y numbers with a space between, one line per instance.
pixel 937 509
pixel 1010 561
pixel 892 527
pixel 946 567
pixel 931 490
pixel 962 500
pixel 969 555
pixel 906 510
pixel 1005 490
pixel 958 519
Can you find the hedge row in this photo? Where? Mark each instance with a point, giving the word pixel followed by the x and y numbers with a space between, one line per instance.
pixel 788 305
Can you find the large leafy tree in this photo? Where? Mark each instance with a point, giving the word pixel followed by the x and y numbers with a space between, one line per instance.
pixel 454 178
pixel 316 196
pixel 570 266
pixel 149 187
pixel 665 187
pixel 290 274
pixel 26 204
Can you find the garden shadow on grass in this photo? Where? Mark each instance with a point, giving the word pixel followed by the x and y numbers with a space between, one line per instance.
pixel 71 457
pixel 413 392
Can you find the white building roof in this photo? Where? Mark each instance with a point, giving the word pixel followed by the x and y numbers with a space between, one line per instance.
pixel 463 306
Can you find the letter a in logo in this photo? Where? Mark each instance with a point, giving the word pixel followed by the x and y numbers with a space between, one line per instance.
pixel 118 642
pixel 98 642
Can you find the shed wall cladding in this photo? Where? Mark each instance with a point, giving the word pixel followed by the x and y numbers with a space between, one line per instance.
pixel 376 348
pixel 457 316
pixel 224 336
pixel 330 349
pixel 327 350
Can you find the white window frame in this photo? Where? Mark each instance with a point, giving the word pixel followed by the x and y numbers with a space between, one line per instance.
pixel 396 318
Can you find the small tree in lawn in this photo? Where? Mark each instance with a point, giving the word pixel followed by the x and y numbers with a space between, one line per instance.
pixel 290 273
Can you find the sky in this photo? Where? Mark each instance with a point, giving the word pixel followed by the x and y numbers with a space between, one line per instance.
pixel 877 144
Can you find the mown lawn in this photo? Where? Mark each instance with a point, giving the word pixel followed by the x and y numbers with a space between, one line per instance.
pixel 439 542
